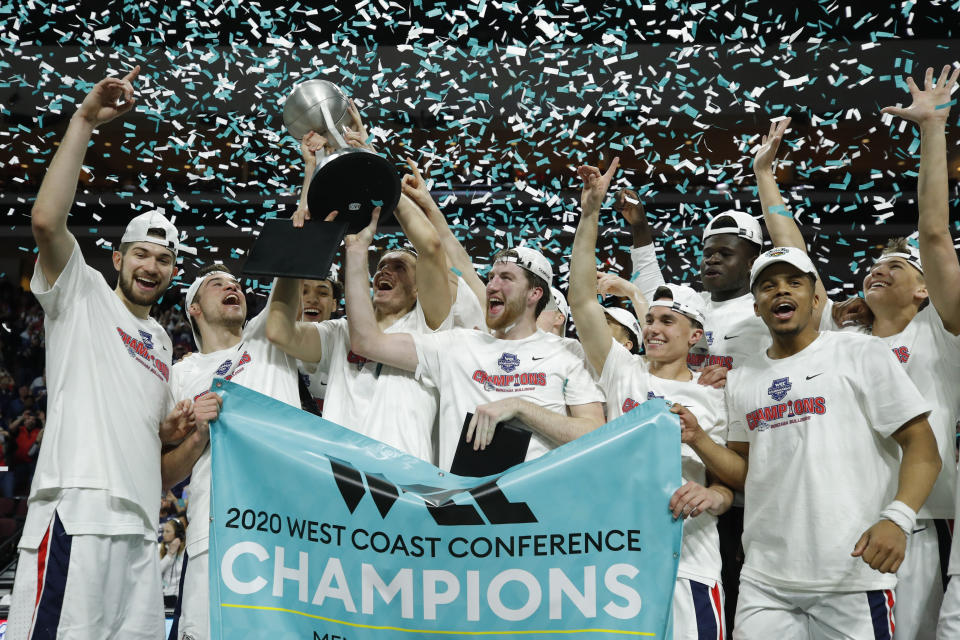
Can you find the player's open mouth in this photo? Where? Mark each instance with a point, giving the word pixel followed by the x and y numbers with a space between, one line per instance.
pixel 783 310
pixel 494 306
pixel 383 285
pixel 311 313
pixel 147 283
pixel 656 342
pixel 232 300
pixel 878 285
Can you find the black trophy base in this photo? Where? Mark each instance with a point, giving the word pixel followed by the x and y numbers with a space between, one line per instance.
pixel 353 182
pixel 282 250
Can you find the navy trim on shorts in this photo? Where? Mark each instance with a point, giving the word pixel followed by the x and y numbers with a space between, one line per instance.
pixel 703 607
pixel 176 610
pixel 47 617
pixel 879 614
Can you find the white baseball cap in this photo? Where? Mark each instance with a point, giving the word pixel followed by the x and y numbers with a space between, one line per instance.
pixel 531 260
pixel 138 231
pixel 626 320
pixel 790 255
pixel 745 226
pixel 683 300
pixel 558 303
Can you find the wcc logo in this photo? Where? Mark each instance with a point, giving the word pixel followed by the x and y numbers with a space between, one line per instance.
pixel 709 335
pixel 779 389
pixel 508 362
pixel 146 338
pixel 222 369
pixel 439 502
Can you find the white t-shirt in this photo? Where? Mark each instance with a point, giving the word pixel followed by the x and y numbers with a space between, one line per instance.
pixel 931 357
pixel 377 400
pixel 731 330
pixel 822 464
pixel 256 364
pixel 471 368
pixel 108 385
pixel 627 383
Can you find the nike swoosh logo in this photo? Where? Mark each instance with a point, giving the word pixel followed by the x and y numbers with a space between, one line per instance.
pixel 540 358
pixel 731 337
pixel 814 375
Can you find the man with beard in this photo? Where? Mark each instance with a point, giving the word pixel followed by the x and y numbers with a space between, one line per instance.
pixel 914 308
pixel 815 422
pixel 88 564
pixel 516 372
pixel 230 349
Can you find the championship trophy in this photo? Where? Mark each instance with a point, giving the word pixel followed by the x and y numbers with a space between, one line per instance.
pixel 348 180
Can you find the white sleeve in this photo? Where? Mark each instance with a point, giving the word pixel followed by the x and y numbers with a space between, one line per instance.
pixel 467 310
pixel 77 279
pixel 826 317
pixel 886 394
pixel 330 331
pixel 430 347
pixel 579 387
pixel 646 271
pixel 736 420
pixel 618 359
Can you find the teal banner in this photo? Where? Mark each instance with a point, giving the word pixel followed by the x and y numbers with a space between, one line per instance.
pixel 320 533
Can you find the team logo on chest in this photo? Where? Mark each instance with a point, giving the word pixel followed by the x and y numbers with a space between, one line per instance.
pixel 508 362
pixel 222 369
pixel 902 353
pixel 779 389
pixel 146 338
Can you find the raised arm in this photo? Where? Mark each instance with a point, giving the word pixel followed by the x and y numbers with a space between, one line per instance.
pixel 643 255
pixel 941 270
pixel 366 338
pixel 781 226
pixel 299 340
pixel 415 188
pixel 610 284
pixel 310 145
pixel 595 334
pixel 433 292
pixel 108 99
pixel 728 464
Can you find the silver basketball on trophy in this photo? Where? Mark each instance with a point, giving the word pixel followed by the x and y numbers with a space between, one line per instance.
pixel 349 180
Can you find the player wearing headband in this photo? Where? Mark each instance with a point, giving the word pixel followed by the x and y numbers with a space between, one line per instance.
pixel 231 348
pixel 673 324
pixel 88 564
pixel 814 425
pixel 518 372
pixel 913 302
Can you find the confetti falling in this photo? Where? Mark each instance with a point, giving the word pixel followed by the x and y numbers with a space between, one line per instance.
pixel 498 102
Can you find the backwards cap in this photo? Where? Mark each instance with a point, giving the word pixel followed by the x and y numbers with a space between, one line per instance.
pixel 683 300
pixel 138 231
pixel 192 293
pixel 790 255
pixel 745 226
pixel 532 261
pixel 626 320
pixel 912 255
pixel 558 303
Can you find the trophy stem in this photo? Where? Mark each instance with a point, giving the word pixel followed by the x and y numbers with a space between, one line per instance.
pixel 331 127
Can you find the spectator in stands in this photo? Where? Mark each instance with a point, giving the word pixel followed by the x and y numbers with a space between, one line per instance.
pixel 27 433
pixel 172 546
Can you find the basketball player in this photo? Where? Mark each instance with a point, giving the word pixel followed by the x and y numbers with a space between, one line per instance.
pixel 814 426
pixel 88 564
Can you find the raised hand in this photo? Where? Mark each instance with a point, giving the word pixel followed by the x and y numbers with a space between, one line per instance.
pixel 109 98
pixel 415 187
pixel 595 185
pixel 363 238
pixel 310 145
pixel 610 284
pixel 932 104
pixel 766 154
pixel 627 202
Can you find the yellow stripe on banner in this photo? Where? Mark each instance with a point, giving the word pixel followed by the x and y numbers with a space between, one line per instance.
pixel 439 633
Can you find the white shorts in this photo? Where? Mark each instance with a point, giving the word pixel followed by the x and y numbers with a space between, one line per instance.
pixel 949 626
pixel 87 587
pixel 765 612
pixel 919 585
pixel 194 622
pixel 697 610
